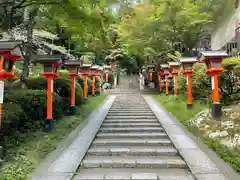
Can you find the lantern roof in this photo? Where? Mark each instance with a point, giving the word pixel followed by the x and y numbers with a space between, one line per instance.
pixel 12 46
pixel 173 63
pixel 164 66
pixel 100 68
pixel 46 58
pixel 9 45
pixel 86 65
pixel 94 67
pixel 211 54
pixel 73 63
pixel 107 67
pixel 151 65
pixel 188 59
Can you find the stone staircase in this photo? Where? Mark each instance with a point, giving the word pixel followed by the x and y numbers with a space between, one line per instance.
pixel 132 145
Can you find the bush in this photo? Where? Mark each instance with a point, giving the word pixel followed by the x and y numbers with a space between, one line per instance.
pixel 33 103
pixel 62 86
pixel 229 82
pixel 12 117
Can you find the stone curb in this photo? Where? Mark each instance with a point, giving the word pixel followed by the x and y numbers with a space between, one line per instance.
pixel 64 161
pixel 203 162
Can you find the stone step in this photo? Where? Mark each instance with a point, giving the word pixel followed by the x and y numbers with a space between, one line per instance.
pixel 131 108
pixel 130 114
pixel 132 135
pixel 130 104
pixel 131 129
pixel 132 150
pixel 133 174
pixel 133 162
pixel 129 111
pixel 132 142
pixel 124 125
pixel 130 117
pixel 153 120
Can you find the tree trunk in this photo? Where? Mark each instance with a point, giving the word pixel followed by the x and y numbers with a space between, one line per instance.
pixel 30 21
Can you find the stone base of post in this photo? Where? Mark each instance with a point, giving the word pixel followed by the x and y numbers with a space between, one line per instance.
pixel 48 125
pixel 189 106
pixel 216 111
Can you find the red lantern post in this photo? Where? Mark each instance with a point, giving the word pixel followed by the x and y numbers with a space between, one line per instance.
pixel 84 69
pixel 166 73
pixel 188 67
pixel 150 71
pixel 94 69
pixel 174 66
pixel 9 53
pixel 107 69
pixel 99 75
pixel 160 74
pixel 213 61
pixel 50 65
pixel 73 68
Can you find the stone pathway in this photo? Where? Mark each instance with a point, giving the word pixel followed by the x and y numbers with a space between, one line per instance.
pixel 131 144
pixel 131 137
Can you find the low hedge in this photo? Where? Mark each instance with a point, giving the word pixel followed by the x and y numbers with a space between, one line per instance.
pixel 22 107
pixel 62 86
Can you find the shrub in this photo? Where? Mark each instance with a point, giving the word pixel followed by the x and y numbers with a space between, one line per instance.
pixel 33 103
pixel 12 117
pixel 201 86
pixel 62 86
pixel 229 82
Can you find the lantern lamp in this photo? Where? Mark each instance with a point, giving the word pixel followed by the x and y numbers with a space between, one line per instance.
pixel 150 69
pixel 213 61
pixel 84 69
pixel 107 69
pixel 10 52
pixel 94 71
pixel 166 72
pixel 160 74
pixel 50 65
pixel 174 69
pixel 188 64
pixel 188 67
pixel 73 68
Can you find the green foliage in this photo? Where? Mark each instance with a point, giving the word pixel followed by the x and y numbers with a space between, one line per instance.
pixel 25 151
pixel 13 116
pixel 231 63
pixel 230 80
pixel 22 107
pixel 62 86
pixel 161 27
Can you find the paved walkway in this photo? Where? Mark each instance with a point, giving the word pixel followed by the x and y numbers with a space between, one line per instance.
pixel 131 137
